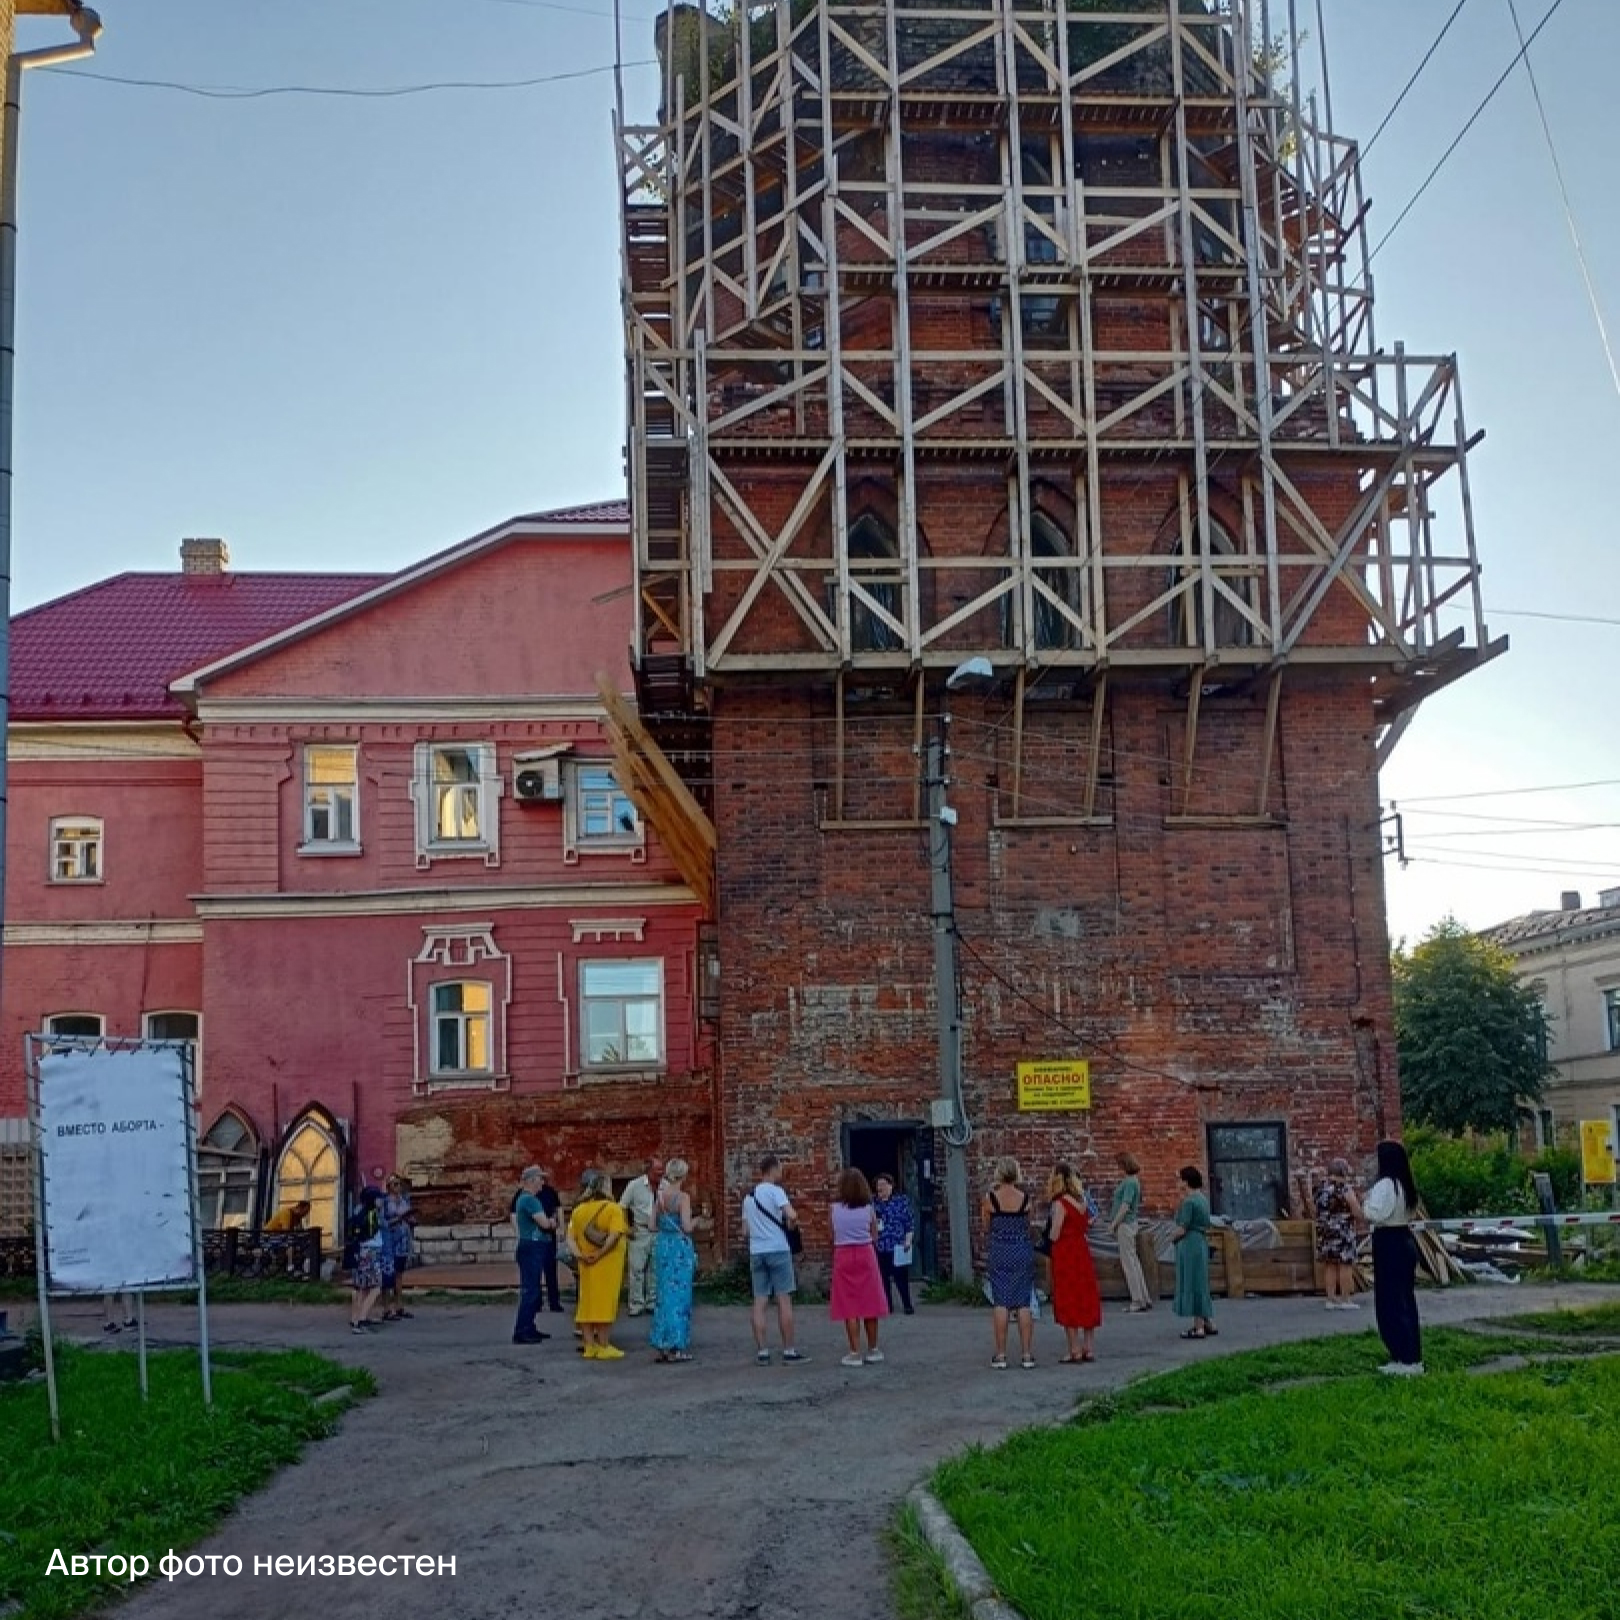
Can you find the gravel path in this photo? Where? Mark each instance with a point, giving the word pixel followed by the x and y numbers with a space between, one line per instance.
pixel 635 1491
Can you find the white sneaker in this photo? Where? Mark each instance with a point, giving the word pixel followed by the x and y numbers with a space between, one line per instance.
pixel 874 1355
pixel 1392 1369
pixel 851 1360
pixel 1348 1305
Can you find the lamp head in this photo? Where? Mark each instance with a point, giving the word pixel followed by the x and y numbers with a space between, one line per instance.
pixel 85 23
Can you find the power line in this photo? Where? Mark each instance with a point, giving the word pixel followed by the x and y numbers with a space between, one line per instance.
pixel 1562 618
pixel 387 92
pixel 1508 793
pixel 1462 134
pixel 1417 74
pixel 1569 207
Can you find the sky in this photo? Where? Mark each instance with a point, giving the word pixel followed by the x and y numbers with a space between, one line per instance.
pixel 344 331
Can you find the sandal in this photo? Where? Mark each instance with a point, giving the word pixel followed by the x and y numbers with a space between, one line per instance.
pixel 1088 1355
pixel 1071 1361
pixel 1027 1363
pixel 999 1363
pixel 679 1355
pixel 1212 1333
pixel 1194 1333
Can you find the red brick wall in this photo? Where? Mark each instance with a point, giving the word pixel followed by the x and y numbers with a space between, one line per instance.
pixel 1224 974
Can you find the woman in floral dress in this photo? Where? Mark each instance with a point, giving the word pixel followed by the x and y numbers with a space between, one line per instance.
pixel 1337 1211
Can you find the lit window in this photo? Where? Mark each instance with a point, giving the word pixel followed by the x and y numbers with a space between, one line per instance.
pixel 331 797
pixel 76 850
pixel 461 1027
pixel 621 1013
pixel 456 789
pixel 309 1170
pixel 455 798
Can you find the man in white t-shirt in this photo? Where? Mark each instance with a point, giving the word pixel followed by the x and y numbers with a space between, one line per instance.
pixel 769 1214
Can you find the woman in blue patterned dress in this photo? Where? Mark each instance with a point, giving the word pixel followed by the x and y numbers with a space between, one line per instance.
pixel 674 1266
pixel 897 1229
pixel 1010 1261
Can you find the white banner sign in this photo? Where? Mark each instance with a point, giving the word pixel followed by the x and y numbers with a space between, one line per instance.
pixel 114 1139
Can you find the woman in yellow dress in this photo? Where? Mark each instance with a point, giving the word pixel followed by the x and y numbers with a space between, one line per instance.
pixel 597 1231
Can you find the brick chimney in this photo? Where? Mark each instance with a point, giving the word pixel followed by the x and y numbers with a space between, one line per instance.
pixel 204 556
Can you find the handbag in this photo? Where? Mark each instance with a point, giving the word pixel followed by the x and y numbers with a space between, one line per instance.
pixel 794 1236
pixel 1043 1244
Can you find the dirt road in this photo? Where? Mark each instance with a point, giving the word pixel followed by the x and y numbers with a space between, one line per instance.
pixel 633 1491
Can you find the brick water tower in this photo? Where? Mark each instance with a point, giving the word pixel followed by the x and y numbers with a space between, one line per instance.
pixel 1009 439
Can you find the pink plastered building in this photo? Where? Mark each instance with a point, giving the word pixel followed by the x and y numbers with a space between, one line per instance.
pixel 360 838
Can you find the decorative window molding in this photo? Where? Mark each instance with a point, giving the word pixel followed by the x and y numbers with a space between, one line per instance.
pixel 331 799
pixel 460 988
pixel 77 849
pixel 598 817
pixel 456 790
pixel 596 929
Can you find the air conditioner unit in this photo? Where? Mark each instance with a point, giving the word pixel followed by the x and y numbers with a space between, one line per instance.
pixel 537 783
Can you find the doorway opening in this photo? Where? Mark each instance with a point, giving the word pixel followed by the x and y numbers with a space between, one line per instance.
pixel 903 1149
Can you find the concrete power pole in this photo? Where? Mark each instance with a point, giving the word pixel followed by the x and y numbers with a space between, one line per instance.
pixel 950 1117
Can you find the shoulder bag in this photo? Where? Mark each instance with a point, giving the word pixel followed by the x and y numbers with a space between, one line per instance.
pixel 795 1238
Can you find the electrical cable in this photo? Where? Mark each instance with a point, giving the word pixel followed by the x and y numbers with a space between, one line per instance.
pixel 1564 197
pixel 1383 123
pixel 1462 134
pixel 387 92
pixel 1562 618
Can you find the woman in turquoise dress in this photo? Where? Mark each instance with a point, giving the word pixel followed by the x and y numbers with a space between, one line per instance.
pixel 674 1266
pixel 1191 1239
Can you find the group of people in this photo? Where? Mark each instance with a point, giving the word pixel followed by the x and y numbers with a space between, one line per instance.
pixel 644 1239
pixel 378 1254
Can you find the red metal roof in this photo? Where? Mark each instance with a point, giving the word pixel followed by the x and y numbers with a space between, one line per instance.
pixel 109 651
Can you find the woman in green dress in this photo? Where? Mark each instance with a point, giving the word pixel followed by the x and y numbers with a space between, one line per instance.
pixel 1192 1256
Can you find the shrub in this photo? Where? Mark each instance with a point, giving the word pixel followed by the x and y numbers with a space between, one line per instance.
pixel 1459 1176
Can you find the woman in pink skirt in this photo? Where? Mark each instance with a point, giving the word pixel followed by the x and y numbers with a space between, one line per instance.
pixel 857 1285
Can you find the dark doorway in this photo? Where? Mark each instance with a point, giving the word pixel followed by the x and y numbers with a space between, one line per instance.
pixel 905 1150
pixel 1248 1171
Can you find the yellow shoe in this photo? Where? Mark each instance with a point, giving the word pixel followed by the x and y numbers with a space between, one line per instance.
pixel 591 1353
pixel 608 1352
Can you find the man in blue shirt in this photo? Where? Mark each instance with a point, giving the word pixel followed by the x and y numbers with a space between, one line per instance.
pixel 533 1225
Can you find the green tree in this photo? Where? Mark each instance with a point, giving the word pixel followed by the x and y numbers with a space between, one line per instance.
pixel 1472 1039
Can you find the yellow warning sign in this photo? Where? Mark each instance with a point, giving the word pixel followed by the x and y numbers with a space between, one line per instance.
pixel 1597 1153
pixel 1061 1085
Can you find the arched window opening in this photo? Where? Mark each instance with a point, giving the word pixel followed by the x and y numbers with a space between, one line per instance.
pixel 1052 630
pixel 310 1167
pixel 1233 627
pixel 227 1171
pixel 874 556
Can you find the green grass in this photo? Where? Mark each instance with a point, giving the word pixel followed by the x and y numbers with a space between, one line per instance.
pixel 1276 1483
pixel 1577 1321
pixel 133 1478
pixel 920 1587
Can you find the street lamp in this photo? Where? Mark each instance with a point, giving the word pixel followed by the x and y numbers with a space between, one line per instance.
pixel 87 25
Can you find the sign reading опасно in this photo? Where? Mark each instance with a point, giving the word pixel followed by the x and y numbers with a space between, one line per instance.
pixel 1061 1085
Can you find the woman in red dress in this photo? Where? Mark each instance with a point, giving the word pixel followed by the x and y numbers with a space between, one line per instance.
pixel 1076 1303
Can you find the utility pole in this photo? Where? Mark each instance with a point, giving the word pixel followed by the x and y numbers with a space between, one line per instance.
pixel 950 1116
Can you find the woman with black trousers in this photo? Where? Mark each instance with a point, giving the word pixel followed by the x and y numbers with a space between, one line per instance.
pixel 1391 1207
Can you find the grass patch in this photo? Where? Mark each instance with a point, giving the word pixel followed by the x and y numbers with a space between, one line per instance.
pixel 1577 1321
pixel 920 1586
pixel 141 1478
pixel 1232 1488
pixel 943 1291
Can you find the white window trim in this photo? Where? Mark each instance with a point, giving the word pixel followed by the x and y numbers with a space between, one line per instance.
pixel 100 841
pixel 633 1066
pixel 482 1074
pixel 50 1018
pixel 196 1043
pixel 454 954
pixel 487 847
pixel 310 844
pixel 575 842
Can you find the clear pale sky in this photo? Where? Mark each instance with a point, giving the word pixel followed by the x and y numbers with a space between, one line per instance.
pixel 344 332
